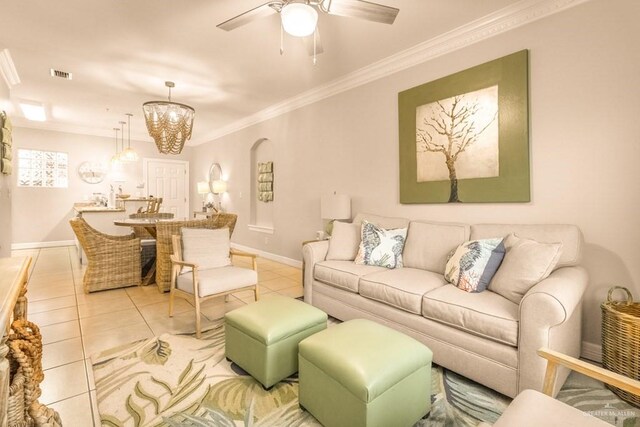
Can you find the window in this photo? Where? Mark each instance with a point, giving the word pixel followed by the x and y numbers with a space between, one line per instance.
pixel 42 169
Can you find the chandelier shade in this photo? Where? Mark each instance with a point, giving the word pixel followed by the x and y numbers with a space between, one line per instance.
pixel 169 123
pixel 299 19
pixel 128 154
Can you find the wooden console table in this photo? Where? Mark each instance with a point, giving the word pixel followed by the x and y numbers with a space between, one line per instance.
pixel 14 274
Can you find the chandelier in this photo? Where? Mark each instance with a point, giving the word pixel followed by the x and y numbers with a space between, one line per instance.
pixel 169 123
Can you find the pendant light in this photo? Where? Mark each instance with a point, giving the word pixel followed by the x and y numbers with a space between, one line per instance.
pixel 128 154
pixel 115 160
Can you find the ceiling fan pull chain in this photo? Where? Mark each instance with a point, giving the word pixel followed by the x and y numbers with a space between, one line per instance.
pixel 315 45
pixel 281 39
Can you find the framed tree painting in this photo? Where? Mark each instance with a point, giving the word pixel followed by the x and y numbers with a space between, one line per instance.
pixel 465 137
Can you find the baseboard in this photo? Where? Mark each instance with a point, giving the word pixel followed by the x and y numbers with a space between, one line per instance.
pixel 40 245
pixel 591 351
pixel 269 255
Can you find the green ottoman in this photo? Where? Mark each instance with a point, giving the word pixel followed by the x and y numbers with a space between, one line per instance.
pixel 360 373
pixel 262 337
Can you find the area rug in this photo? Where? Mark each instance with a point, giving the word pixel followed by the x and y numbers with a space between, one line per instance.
pixel 178 380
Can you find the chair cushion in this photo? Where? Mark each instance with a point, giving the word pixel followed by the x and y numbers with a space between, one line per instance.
pixel 215 280
pixel 486 314
pixel 343 274
pixel 379 246
pixel 526 262
pixel 430 243
pixel 206 247
pixel 401 287
pixel 533 409
pixel 344 242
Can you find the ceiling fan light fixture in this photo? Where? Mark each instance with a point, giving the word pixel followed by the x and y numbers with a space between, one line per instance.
pixel 299 19
pixel 169 123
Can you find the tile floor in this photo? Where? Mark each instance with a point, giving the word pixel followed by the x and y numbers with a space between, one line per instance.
pixel 75 325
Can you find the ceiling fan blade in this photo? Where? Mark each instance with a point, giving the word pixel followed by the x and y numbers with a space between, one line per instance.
pixel 362 9
pixel 250 15
pixel 308 42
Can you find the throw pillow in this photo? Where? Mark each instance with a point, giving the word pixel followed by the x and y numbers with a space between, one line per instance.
pixel 208 248
pixel 344 242
pixel 526 262
pixel 381 247
pixel 473 264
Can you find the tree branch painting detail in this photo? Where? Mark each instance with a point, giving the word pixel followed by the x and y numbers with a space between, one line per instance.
pixel 457 138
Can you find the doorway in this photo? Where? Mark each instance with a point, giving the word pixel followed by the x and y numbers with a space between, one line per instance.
pixel 168 179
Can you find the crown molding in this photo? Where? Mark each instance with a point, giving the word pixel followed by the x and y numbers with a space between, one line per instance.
pixel 8 69
pixel 501 21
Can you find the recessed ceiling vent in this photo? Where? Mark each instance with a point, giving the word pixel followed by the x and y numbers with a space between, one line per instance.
pixel 61 74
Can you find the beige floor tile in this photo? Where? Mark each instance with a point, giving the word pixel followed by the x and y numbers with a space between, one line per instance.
pixel 75 411
pixel 94 308
pixel 40 294
pixel 294 292
pixel 119 319
pixel 94 343
pixel 178 324
pixel 102 296
pixel 63 382
pixel 51 304
pixel 267 275
pixel 43 286
pixel 90 378
pixel 249 296
pixel 60 331
pixel 54 316
pixel 296 278
pixel 160 310
pixel 277 284
pixel 94 408
pixel 144 295
pixel 288 271
pixel 61 353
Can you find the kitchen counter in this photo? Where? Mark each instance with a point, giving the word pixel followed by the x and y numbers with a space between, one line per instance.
pixel 81 209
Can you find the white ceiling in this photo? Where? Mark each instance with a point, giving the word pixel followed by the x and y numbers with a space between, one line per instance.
pixel 121 52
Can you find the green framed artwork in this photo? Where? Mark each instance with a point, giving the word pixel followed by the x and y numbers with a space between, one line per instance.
pixel 465 137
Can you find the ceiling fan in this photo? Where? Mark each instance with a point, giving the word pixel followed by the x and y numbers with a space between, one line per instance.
pixel 300 18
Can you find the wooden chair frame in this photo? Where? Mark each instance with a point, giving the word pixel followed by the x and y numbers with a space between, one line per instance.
pixel 555 359
pixel 178 263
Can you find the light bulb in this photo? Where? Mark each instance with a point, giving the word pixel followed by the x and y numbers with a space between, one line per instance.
pixel 299 19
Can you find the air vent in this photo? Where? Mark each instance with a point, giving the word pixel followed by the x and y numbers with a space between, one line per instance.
pixel 61 74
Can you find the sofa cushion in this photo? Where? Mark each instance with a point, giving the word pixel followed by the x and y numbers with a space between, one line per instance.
pixel 381 221
pixel 402 287
pixel 343 274
pixel 526 262
pixel 474 263
pixel 568 235
pixel 344 242
pixel 379 246
pixel 430 243
pixel 486 314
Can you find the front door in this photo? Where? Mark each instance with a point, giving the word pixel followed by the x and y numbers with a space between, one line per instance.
pixel 169 179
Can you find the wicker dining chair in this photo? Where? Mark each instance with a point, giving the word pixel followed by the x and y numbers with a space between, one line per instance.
pixel 164 248
pixel 113 261
pixel 142 232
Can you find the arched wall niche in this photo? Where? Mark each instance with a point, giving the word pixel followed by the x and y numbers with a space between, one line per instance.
pixel 261 215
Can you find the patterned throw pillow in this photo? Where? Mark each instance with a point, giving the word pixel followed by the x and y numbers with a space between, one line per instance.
pixel 473 264
pixel 381 247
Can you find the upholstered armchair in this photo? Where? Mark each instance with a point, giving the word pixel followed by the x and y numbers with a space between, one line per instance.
pixel 113 261
pixel 202 269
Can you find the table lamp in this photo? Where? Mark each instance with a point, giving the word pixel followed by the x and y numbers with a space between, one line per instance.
pixel 333 207
pixel 203 188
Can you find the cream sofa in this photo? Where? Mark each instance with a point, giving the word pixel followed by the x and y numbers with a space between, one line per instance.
pixel 482 336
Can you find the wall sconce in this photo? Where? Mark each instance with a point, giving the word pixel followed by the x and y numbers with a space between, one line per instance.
pixel 203 188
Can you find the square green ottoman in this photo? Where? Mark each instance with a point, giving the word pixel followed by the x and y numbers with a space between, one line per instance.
pixel 262 337
pixel 360 373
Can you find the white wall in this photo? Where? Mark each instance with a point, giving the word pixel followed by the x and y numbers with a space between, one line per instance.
pixel 5 199
pixel 584 109
pixel 42 214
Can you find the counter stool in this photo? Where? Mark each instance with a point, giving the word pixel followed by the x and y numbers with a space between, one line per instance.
pixel 360 373
pixel 262 337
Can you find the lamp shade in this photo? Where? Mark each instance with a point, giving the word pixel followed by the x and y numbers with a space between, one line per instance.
pixel 335 206
pixel 203 187
pixel 219 186
pixel 299 19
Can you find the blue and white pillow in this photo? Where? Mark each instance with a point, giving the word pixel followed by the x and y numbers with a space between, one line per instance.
pixel 473 264
pixel 381 247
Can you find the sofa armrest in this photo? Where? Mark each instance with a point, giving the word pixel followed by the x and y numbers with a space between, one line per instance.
pixel 550 316
pixel 312 253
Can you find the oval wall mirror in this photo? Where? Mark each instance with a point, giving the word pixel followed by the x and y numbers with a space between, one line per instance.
pixel 215 174
pixel 92 172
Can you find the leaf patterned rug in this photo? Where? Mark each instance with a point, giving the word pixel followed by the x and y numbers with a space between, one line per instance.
pixel 178 380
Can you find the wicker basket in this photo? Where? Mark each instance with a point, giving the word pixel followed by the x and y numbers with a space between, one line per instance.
pixel 621 340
